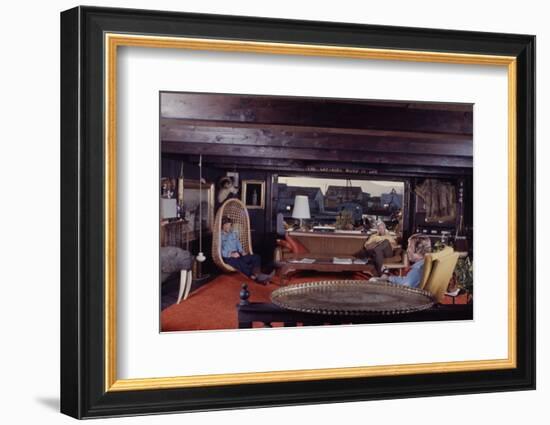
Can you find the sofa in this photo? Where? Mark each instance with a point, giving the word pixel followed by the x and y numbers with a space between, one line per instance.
pixel 298 244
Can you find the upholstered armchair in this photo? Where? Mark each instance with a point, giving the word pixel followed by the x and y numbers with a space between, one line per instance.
pixel 237 212
pixel 438 271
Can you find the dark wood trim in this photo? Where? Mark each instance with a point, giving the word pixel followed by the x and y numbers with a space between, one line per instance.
pixel 268 313
pixel 319 112
pixel 292 138
pixel 334 154
pixel 72 350
pixel 194 124
pixel 376 171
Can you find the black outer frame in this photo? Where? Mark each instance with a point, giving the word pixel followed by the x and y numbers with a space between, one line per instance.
pixel 82 212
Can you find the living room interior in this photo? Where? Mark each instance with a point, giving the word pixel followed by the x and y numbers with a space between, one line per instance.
pixel 306 182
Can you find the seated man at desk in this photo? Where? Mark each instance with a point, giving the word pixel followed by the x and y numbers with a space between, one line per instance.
pixel 234 255
pixel 419 246
pixel 380 245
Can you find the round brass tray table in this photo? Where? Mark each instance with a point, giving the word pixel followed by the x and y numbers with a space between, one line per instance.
pixel 351 297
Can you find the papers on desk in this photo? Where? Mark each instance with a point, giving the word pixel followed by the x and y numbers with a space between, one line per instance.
pixel 337 260
pixel 324 228
pixel 360 261
pixel 349 232
pixel 303 261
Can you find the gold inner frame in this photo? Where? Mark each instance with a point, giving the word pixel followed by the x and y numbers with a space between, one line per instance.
pixel 245 184
pixel 113 41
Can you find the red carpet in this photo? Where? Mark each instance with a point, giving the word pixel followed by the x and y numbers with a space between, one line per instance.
pixel 213 306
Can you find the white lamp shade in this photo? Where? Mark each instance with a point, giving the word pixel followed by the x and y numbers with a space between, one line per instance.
pixel 168 208
pixel 301 207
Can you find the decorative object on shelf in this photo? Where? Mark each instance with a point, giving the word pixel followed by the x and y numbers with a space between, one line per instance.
pixel 167 187
pixel 301 209
pixel 253 194
pixel 344 220
pixel 234 176
pixel 445 237
pixel 226 189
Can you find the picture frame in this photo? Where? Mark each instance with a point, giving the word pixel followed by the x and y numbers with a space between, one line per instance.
pixel 90 40
pixel 191 189
pixel 253 194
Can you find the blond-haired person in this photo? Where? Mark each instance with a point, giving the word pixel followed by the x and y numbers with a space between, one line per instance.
pixel 380 245
pixel 419 246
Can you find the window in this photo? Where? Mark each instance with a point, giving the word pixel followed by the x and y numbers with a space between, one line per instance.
pixel 329 198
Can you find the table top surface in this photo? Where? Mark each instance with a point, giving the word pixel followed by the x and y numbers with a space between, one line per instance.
pixel 351 297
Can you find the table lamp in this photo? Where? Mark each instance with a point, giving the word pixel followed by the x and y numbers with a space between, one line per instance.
pixel 301 208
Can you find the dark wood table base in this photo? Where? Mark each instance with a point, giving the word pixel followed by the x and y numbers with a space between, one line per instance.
pixel 268 313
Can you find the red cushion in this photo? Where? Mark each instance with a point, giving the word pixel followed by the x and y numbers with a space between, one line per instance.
pixel 295 246
pixel 284 244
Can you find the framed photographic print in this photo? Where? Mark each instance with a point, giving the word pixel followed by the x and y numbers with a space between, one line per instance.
pixel 193 212
pixel 406 155
pixel 253 194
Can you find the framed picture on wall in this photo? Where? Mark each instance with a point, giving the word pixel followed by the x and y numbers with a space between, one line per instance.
pixel 114 360
pixel 194 212
pixel 253 194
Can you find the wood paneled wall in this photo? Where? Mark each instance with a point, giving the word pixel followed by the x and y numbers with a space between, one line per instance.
pixel 262 136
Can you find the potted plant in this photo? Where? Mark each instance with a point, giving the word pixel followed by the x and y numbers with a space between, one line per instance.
pixel 464 276
pixel 344 221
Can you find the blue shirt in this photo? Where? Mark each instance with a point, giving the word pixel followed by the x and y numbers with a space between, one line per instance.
pixel 230 243
pixel 413 278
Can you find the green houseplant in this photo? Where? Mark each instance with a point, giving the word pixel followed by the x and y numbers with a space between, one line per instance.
pixel 463 273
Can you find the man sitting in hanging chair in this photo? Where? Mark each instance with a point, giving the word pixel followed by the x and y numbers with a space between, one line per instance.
pixel 234 255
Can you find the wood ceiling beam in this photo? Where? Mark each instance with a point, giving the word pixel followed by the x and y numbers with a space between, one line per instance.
pixel 336 154
pixel 305 167
pixel 337 113
pixel 315 138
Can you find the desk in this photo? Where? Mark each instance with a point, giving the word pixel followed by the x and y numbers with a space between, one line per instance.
pixel 331 244
pixel 321 264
